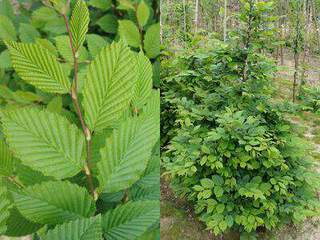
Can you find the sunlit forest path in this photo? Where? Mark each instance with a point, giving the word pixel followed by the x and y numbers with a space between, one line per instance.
pixel 178 221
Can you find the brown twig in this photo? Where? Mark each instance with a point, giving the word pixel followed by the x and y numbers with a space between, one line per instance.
pixel 74 96
pixel 14 180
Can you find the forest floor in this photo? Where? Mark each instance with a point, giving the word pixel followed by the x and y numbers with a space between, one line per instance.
pixel 178 221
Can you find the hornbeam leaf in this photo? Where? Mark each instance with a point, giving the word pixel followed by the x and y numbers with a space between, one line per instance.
pixel 18 226
pixel 126 153
pixel 5 206
pixel 143 87
pixel 143 13
pixel 152 41
pixel 130 32
pixel 153 105
pixel 27 176
pixel 108 88
pixel 63 46
pixel 7 163
pixel 54 202
pixel 37 66
pixel 108 23
pixel 7 29
pixel 79 24
pixel 28 33
pixel 148 187
pixel 95 44
pixel 103 5
pixel 81 229
pixel 45 141
pixel 131 220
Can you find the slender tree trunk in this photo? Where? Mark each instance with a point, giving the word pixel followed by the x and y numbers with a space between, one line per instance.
pixel 184 17
pixel 247 43
pixel 295 77
pixel 281 47
pixel 225 20
pixel 196 17
pixel 315 22
pixel 161 27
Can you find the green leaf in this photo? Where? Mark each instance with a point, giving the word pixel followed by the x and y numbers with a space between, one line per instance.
pixel 130 33
pixel 143 13
pixel 131 220
pixel 218 191
pixel 28 33
pixel 108 88
pixel 80 229
pixel 6 9
pixel 48 20
pixel 55 105
pixel 38 67
pixel 27 176
pixel 143 87
pixel 18 226
pixel 7 164
pixel 101 4
pixel 125 5
pixel 152 41
pixel 207 183
pixel 5 61
pixel 79 24
pixel 152 108
pixel 156 74
pixel 45 141
pixel 46 44
pixel 95 44
pixel 7 29
pixel 148 187
pixel 63 45
pixel 54 202
pixel 220 208
pixel 108 23
pixel 5 205
pixel 123 160
pixel 223 225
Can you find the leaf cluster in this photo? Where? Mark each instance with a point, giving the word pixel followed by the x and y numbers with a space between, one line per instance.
pixel 228 149
pixel 79 159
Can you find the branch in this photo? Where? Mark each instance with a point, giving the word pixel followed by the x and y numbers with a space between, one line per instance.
pixel 85 128
pixel 15 181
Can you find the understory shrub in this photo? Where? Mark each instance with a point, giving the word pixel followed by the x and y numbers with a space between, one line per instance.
pixel 79 138
pixel 226 147
pixel 310 99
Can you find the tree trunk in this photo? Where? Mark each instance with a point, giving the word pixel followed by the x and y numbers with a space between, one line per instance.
pixel 225 20
pixel 281 45
pixel 196 17
pixel 184 17
pixel 295 77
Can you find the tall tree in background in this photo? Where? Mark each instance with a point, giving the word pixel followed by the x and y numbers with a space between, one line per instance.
pixel 196 18
pixel 225 20
pixel 297 40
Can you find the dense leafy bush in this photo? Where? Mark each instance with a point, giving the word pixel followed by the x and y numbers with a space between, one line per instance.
pixel 228 150
pixel 60 182
pixel 310 99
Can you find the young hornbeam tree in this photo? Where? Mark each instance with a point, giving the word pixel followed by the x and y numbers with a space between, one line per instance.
pixel 100 182
pixel 297 40
pixel 255 30
pixel 184 16
pixel 306 43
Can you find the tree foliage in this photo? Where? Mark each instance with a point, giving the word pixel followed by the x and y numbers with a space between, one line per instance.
pixel 79 122
pixel 227 148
